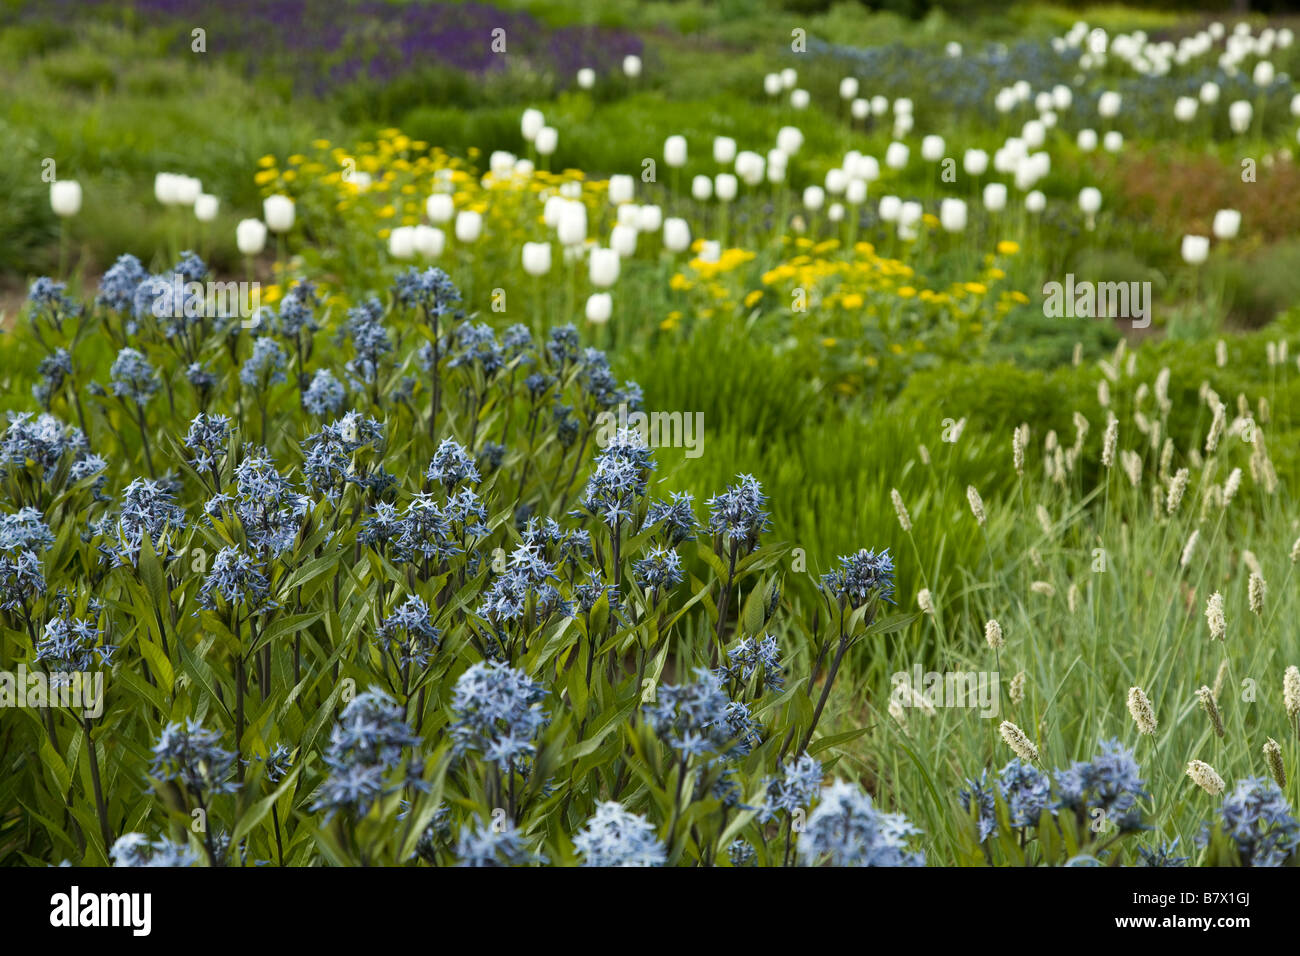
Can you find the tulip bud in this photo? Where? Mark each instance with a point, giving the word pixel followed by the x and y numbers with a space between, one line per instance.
pixel 250 237
pixel 65 197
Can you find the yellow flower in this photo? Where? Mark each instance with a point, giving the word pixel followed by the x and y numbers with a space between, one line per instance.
pixel 1020 297
pixel 1007 247
pixel 852 301
pixel 829 342
pixel 896 349
pixel 997 274
pixel 320 144
pixel 752 299
pixel 872 361
pixel 679 283
pixel 267 160
pixel 264 176
pixel 271 293
pixel 906 292
pixel 976 288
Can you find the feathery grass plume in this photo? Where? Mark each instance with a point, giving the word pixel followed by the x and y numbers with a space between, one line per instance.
pixel 1220 678
pixel 898 713
pixel 1035 558
pixel 1231 485
pixel 1291 691
pixel 1215 618
pixel 1295 551
pixel 924 454
pixel 1188 548
pixel 1131 462
pixel 1050 443
pixel 1045 588
pixel 1108 370
pixel 1256 590
pixel 993 634
pixel 900 509
pixel 1017 689
pixel 1076 357
pixel 1211 498
pixel 1044 519
pixel 1166 458
pixel 1154 435
pixel 1217 425
pixel 1270 353
pixel 1162 390
pixel 1058 465
pixel 1139 705
pixel 1081 426
pixel 1018 451
pixel 1109 440
pixel 1220 353
pixel 1273 757
pixel 1103 393
pixel 1243 405
pixel 976 505
pixel 1177 485
pixel 1263 409
pixel 1072 597
pixel 1017 741
pixel 1211 708
pixel 925 600
pixel 1205 777
pixel 1250 561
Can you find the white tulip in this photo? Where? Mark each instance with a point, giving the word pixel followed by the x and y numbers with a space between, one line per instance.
pixel 501 163
pixel 1195 249
pixel 469 225
pixel 1185 109
pixel 903 125
pixel 772 84
pixel 701 188
pixel 675 151
pixel 889 208
pixel 1035 202
pixel 975 162
pixel 401 242
pixel 165 188
pixel 621 187
pixel 1227 223
pixel 909 214
pixel 205 207
pixel 1005 100
pixel 1108 104
pixel 800 99
pixel 278 211
pixel 1022 89
pixel 524 168
pixel 65 197
pixel 789 139
pixel 531 124
pixel 1062 97
pixel 650 219
pixel 677 234
pixel 1090 200
pixel 789 77
pixel 571 228
pixel 537 258
pixel 440 208
pixel 632 66
pixel 1209 93
pixel 600 306
pixel 879 105
pixel 1048 119
pixel 855 194
pixel 429 241
pixel 835 212
pixel 932 148
pixel 749 166
pixel 952 215
pixel 1263 74
pixel 902 106
pixel 1295 105
pixel 952 50
pixel 548 138
pixel 867 168
pixel 1239 116
pixel 250 237
pixel 627 214
pixel 586 78
pixel 837 180
pixel 603 267
pixel 860 109
pixel 1042 102
pixel 813 197
pixel 1113 141
pixel 896 155
pixel 725 186
pixel 995 197
pixel 1087 140
pixel 724 150
pixel 1034 134
pixel 622 239
pixel 188 189
pixel 849 88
